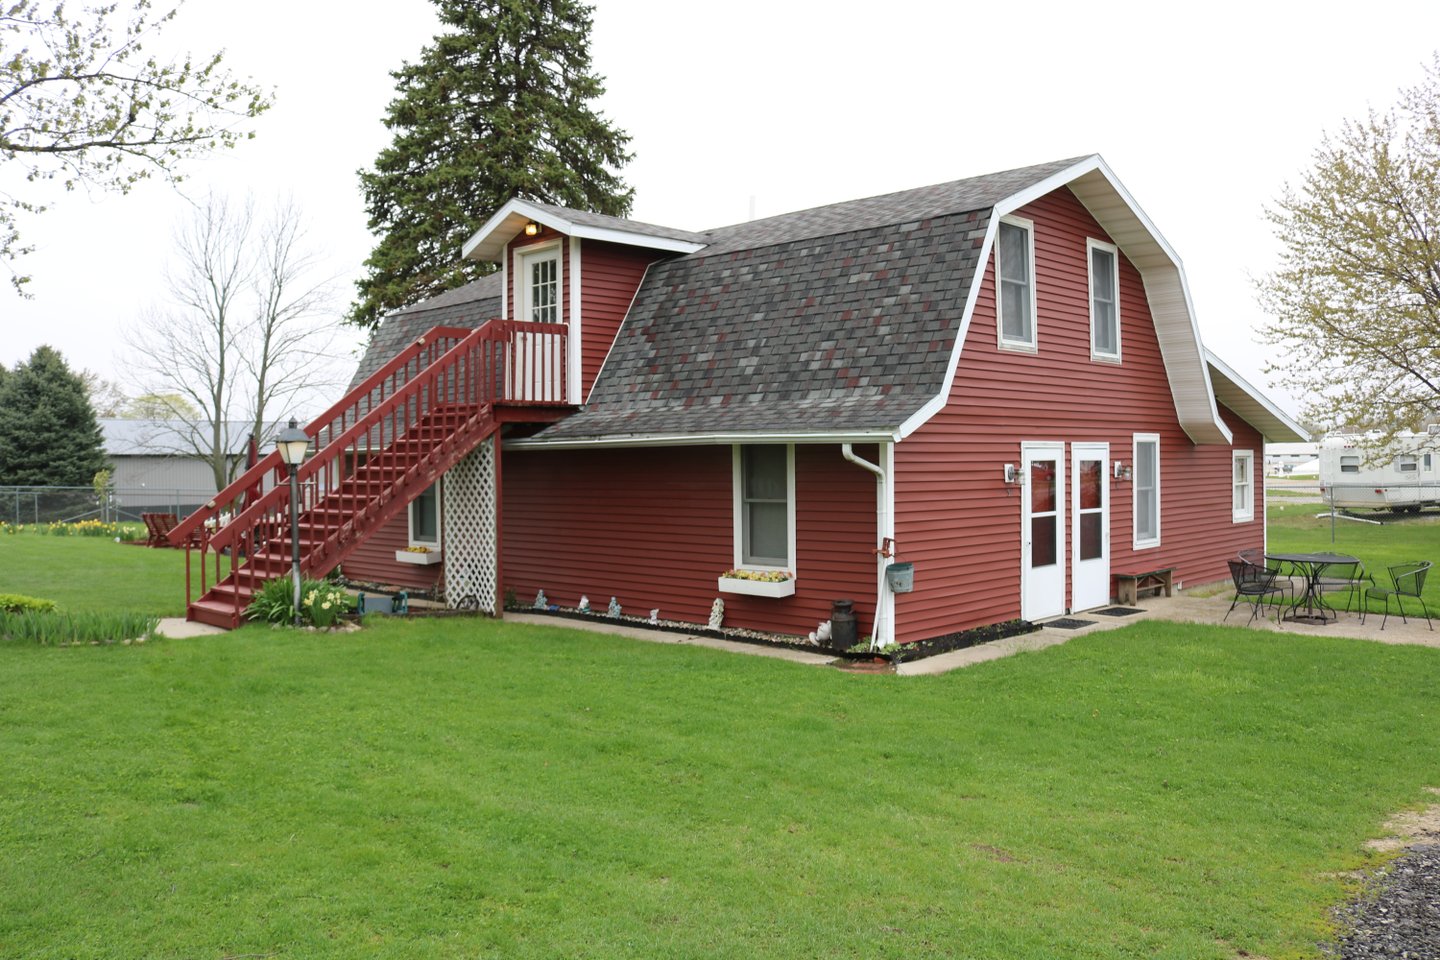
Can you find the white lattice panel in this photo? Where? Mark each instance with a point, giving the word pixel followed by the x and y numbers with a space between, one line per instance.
pixel 471 551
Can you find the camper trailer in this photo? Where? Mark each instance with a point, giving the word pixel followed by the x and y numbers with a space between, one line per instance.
pixel 1403 475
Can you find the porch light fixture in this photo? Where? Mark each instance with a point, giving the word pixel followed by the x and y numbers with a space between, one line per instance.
pixel 1012 473
pixel 1121 471
pixel 532 229
pixel 291 444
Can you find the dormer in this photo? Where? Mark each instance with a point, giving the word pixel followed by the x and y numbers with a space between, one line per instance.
pixel 572 267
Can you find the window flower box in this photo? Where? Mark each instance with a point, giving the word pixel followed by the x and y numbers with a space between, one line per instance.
pixel 756 583
pixel 422 557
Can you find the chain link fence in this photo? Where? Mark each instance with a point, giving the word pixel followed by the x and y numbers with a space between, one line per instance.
pixel 1370 503
pixel 38 505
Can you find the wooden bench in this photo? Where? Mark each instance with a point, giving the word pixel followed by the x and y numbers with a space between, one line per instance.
pixel 158 527
pixel 1129 585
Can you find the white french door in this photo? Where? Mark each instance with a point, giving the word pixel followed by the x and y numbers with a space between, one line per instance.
pixel 1042 530
pixel 1090 531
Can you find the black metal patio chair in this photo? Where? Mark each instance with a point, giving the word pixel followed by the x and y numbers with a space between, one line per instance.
pixel 1348 577
pixel 1407 580
pixel 1256 557
pixel 1253 583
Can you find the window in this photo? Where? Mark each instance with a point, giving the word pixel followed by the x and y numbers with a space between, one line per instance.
pixel 765 506
pixel 1147 490
pixel 1349 464
pixel 425 518
pixel 1243 481
pixel 1406 464
pixel 1427 463
pixel 1104 301
pixel 539 296
pixel 1015 279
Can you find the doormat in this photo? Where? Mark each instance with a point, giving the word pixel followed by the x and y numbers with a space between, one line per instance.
pixel 1069 623
pixel 1116 612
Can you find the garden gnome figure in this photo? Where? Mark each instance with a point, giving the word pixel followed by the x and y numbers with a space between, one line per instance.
pixel 614 608
pixel 655 615
pixel 584 604
pixel 717 613
pixel 541 601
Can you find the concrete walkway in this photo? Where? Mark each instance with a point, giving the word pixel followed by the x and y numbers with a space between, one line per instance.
pixel 1184 608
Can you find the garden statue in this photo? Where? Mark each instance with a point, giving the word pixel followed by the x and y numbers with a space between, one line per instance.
pixel 614 608
pixel 541 602
pixel 717 613
pixel 655 615
pixel 584 604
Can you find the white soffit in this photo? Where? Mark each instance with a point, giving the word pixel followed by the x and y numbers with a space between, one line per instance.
pixel 1175 326
pixel 1251 405
pixel 488 243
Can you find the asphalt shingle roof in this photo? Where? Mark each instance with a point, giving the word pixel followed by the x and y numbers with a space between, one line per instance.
pixel 840 318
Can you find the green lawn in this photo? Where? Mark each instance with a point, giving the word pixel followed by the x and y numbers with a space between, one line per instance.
pixel 462 788
pixel 1306 527
pixel 93 573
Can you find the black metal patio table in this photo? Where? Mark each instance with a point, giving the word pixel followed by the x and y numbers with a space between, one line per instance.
pixel 1311 566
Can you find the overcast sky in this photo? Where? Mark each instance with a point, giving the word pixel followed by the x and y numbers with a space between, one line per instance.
pixel 1203 111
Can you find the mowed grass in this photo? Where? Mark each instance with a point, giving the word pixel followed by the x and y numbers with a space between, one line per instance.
pixel 1306 528
pixel 93 573
pixel 466 788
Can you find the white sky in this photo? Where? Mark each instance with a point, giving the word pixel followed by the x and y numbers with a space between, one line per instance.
pixel 1203 111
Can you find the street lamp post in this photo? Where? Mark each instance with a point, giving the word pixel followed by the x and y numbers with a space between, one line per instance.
pixel 291 444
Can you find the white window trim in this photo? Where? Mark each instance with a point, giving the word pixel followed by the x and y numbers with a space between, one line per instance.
pixel 1090 246
pixel 1246 515
pixel 523 257
pixel 1136 441
pixel 1023 346
pixel 737 487
pixel 1405 458
pixel 439 521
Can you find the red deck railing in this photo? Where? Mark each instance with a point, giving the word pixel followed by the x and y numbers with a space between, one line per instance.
pixel 374 451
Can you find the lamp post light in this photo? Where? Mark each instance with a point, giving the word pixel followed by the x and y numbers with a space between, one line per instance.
pixel 291 444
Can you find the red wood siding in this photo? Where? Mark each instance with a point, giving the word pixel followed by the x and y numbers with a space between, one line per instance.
pixel 610 274
pixel 520 243
pixel 955 517
pixel 653 527
pixel 374 560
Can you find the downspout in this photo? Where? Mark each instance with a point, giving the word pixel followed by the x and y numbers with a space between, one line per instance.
pixel 878 634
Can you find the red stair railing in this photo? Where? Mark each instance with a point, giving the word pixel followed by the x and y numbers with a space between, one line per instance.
pixel 413 418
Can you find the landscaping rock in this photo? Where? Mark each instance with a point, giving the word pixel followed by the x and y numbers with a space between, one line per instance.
pixel 1400 915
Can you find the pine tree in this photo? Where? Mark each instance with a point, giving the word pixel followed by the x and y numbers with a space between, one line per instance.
pixel 498 106
pixel 48 432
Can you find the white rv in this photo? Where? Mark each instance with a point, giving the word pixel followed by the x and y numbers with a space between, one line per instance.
pixel 1402 476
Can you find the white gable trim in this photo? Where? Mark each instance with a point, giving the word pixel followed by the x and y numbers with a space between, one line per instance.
pixel 1111 205
pixel 488 243
pixel 1253 406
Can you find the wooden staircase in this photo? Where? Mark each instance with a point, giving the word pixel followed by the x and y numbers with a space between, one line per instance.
pixel 375 451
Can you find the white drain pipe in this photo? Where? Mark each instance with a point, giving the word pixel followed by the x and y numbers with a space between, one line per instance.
pixel 883 630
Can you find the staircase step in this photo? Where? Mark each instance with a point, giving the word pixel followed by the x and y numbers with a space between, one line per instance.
pixel 213 612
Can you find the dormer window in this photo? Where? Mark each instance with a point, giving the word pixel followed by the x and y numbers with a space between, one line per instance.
pixel 540 285
pixel 1015 282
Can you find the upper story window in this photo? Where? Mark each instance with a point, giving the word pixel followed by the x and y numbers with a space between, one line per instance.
pixel 1147 490
pixel 539 293
pixel 1104 301
pixel 765 506
pixel 1015 277
pixel 1243 485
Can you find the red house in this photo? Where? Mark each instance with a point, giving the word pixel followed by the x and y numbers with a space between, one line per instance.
pixel 999 380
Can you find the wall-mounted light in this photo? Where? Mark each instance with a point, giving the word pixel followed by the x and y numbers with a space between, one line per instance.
pixel 532 229
pixel 1121 471
pixel 1012 473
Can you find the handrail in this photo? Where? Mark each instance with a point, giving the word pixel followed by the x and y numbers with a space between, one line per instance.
pixel 271 461
pixel 385 441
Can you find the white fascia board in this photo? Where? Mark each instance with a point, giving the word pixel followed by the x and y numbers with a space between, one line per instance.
pixel 488 243
pixel 699 439
pixel 1240 383
pixel 1201 429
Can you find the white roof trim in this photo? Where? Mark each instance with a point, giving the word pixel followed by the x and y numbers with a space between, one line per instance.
pixel 701 439
pixel 1253 406
pixel 1093 183
pixel 488 243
